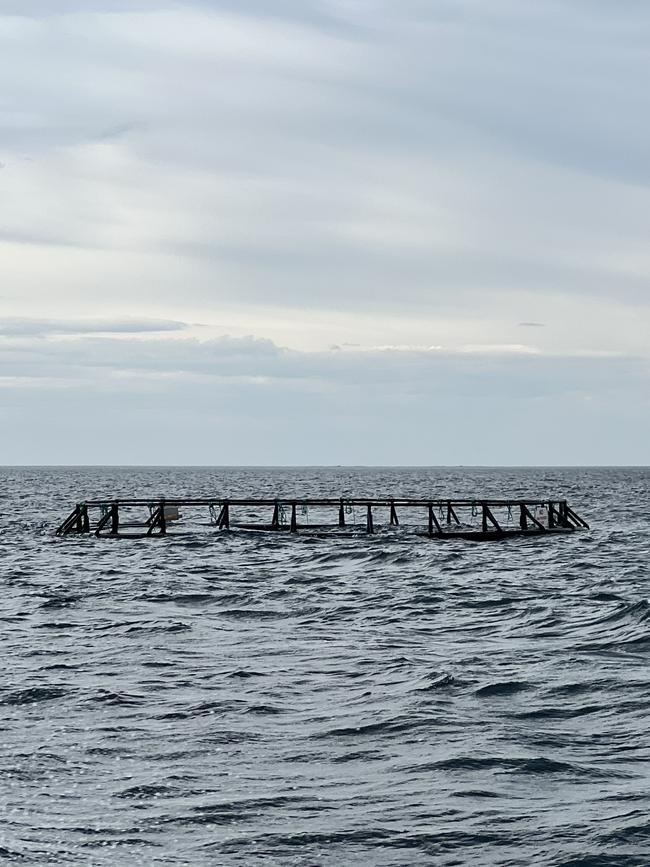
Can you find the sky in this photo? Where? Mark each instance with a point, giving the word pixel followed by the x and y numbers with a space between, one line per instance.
pixel 324 232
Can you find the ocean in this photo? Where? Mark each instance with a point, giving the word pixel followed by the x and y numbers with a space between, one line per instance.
pixel 215 698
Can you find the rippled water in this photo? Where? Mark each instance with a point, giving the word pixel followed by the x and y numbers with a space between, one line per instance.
pixel 240 699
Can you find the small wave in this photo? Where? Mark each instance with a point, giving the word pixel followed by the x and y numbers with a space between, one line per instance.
pixel 33 695
pixel 105 696
pixel 147 791
pixel 57 602
pixel 503 688
pixel 160 627
pixel 524 766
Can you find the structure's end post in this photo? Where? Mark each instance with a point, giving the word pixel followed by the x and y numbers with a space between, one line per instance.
pixel 115 518
pixel 484 517
pixel 370 527
pixel 551 515
pixel 341 514
pixel 163 519
pixel 523 518
pixel 67 526
pixel 294 521
pixel 275 520
pixel 394 520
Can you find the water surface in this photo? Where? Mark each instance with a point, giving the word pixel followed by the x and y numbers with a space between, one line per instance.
pixel 235 699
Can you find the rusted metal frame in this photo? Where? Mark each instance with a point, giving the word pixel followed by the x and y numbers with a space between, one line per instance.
pixel 361 501
pixel 451 513
pixel 65 528
pixel 73 523
pixel 526 513
pixel 115 518
pixel 488 516
pixel 158 520
pixel 574 515
pixel 551 515
pixel 559 514
pixel 223 521
pixel 103 522
pixel 433 521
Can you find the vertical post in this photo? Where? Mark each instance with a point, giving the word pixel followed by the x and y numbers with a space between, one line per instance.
pixel 163 519
pixel 85 520
pixel 394 520
pixel 341 514
pixel 370 527
pixel 433 522
pixel 564 518
pixel 79 518
pixel 224 518
pixel 449 511
pixel 275 520
pixel 294 522
pixel 484 522
pixel 115 519
pixel 551 516
pixel 523 519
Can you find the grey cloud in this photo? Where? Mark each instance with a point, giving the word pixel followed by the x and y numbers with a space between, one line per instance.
pixel 295 173
pixel 422 158
pixel 24 327
pixel 406 372
pixel 248 401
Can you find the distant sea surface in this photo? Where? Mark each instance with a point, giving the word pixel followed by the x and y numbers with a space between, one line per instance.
pixel 259 699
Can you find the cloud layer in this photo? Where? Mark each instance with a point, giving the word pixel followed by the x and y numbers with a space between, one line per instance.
pixel 423 174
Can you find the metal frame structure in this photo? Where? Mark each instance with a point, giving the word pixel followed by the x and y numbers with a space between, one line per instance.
pixel 533 517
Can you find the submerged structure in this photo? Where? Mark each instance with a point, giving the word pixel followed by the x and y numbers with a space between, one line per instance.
pixel 441 519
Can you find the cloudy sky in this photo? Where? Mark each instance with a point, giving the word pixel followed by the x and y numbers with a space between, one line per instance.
pixel 324 231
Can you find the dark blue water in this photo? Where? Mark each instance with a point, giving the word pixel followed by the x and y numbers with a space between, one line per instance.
pixel 240 699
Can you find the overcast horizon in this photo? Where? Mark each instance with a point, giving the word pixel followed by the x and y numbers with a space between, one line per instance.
pixel 323 233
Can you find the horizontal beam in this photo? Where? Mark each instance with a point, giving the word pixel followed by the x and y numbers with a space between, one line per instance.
pixel 346 501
